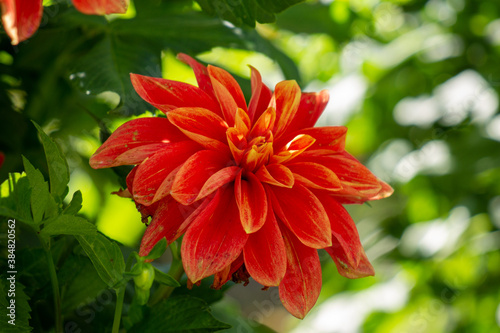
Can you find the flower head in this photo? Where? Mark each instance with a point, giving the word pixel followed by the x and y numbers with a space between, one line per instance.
pixel 254 189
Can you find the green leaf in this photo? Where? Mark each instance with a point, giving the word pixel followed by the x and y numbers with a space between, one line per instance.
pixel 42 203
pixel 75 205
pixel 81 283
pixel 39 190
pixel 68 225
pixel 15 198
pixel 58 167
pixel 157 250
pixel 165 279
pixel 246 11
pixel 22 308
pixel 106 257
pixel 180 314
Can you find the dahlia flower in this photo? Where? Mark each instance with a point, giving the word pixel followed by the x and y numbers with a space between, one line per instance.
pixel 254 188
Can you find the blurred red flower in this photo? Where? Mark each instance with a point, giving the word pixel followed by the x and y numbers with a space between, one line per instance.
pixel 21 18
pixel 255 188
pixel 101 7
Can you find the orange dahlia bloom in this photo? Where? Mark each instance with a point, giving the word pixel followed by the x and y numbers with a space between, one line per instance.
pixel 255 189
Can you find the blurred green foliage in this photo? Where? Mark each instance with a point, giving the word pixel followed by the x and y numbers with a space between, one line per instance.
pixel 416 82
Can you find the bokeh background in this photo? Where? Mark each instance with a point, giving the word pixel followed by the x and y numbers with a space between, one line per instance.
pixel 417 84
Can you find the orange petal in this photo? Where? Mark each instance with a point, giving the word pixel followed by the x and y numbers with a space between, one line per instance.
pixel 201 125
pixel 252 201
pixel 261 95
pixel 152 171
pixel 237 143
pixel 310 109
pixel 315 176
pixel 300 288
pixel 101 7
pixel 195 172
pixel 242 122
pixel 265 254
pixel 167 95
pixel 21 18
pixel 293 148
pixel 135 140
pixel 276 174
pixel 303 214
pixel 214 239
pixel 228 93
pixel 286 100
pixel 264 123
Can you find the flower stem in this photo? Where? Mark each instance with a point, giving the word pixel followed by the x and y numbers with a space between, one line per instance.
pixel 163 291
pixel 120 296
pixel 118 310
pixel 55 291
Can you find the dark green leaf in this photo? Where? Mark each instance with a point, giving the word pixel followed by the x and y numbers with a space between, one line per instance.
pixel 15 196
pixel 68 225
pixel 106 257
pixel 58 167
pixel 75 205
pixel 82 285
pixel 180 314
pixel 19 322
pixel 246 11
pixel 165 279
pixel 157 250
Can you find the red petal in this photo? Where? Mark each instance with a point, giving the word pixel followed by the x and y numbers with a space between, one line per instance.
pixel 220 278
pixel 21 18
pixel 214 239
pixel 168 222
pixel 330 139
pixel 252 201
pixel 242 122
pixel 101 7
pixel 228 93
pixel 300 288
pixel 358 183
pixel 202 126
pixel 201 73
pixel 276 174
pixel 346 251
pixel 303 214
pixel 135 140
pixel 286 100
pixel 265 254
pixel 217 180
pixel 261 96
pixel 195 172
pixel 315 175
pixel 152 171
pixel 310 109
pixel 167 95
pixel 264 123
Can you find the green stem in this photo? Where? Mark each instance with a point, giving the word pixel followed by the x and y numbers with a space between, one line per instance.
pixel 163 292
pixel 118 310
pixel 120 296
pixel 55 290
